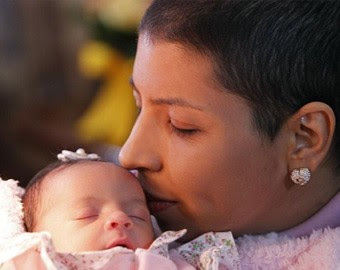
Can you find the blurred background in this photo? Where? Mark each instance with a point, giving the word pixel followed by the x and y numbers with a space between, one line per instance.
pixel 64 71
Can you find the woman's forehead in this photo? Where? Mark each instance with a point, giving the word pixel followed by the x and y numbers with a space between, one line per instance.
pixel 172 73
pixel 173 57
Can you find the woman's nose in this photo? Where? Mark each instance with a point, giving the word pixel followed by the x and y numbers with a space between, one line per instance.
pixel 118 220
pixel 141 150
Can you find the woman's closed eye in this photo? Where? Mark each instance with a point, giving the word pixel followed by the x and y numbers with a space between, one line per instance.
pixel 182 129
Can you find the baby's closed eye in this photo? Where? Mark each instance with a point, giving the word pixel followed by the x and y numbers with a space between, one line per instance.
pixel 137 218
pixel 139 214
pixel 86 214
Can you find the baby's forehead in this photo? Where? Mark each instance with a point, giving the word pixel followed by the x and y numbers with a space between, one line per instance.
pixel 128 202
pixel 88 180
pixel 95 168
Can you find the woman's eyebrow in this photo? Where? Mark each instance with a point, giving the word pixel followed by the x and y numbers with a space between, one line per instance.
pixel 168 101
pixel 175 101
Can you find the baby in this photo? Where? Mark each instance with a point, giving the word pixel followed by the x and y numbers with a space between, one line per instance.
pixel 88 205
pixel 97 216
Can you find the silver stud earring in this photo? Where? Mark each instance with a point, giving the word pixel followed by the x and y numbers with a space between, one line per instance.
pixel 300 176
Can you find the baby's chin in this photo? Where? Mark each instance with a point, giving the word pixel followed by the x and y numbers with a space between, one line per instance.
pixel 67 249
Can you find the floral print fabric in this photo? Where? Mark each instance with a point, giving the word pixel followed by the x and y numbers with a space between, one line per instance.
pixel 211 251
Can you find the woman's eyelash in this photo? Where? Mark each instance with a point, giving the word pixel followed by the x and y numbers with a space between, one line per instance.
pixel 179 131
pixel 183 132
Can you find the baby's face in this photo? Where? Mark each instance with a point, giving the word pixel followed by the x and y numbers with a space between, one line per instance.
pixel 94 206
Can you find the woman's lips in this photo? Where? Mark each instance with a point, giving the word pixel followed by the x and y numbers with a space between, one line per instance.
pixel 157 205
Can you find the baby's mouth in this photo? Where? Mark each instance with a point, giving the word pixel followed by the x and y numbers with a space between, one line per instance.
pixel 123 242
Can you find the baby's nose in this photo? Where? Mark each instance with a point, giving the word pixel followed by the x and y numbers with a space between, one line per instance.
pixel 118 220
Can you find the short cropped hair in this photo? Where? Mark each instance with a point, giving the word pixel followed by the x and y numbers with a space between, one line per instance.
pixel 278 55
pixel 32 197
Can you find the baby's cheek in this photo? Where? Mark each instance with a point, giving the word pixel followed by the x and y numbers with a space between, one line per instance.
pixel 72 244
pixel 148 238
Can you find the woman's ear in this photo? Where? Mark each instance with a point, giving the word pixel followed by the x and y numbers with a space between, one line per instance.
pixel 311 132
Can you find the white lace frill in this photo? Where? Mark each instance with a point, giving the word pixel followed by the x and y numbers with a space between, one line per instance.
pixel 11 209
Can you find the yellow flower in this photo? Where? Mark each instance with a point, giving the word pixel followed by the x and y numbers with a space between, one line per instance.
pixel 96 59
pixel 123 14
pixel 111 115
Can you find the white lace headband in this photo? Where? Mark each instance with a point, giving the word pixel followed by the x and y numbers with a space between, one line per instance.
pixel 80 154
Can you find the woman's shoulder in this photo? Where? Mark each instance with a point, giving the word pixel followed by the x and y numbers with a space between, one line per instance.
pixel 319 250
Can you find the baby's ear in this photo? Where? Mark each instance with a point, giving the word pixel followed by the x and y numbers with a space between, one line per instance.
pixel 311 132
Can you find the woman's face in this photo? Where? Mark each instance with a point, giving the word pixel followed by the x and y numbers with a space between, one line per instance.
pixel 196 149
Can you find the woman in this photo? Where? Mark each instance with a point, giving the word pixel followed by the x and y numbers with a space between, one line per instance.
pixel 238 126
